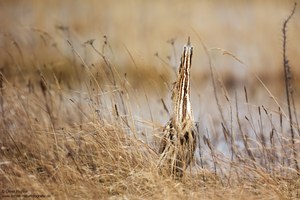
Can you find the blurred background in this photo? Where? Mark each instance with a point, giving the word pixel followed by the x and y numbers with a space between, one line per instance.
pixel 251 30
pixel 143 41
pixel 121 57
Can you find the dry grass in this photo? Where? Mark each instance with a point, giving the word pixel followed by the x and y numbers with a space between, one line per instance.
pixel 79 120
pixel 103 159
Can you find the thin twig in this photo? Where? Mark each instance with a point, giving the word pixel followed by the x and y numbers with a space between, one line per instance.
pixel 288 83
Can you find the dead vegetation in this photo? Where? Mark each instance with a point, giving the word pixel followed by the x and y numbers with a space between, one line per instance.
pixel 86 138
pixel 103 157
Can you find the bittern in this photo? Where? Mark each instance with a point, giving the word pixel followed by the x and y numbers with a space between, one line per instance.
pixel 178 144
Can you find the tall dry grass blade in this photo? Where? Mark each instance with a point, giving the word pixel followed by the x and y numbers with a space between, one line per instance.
pixel 213 79
pixel 244 135
pixel 2 94
pixel 206 141
pixel 199 146
pixel 165 107
pixel 289 85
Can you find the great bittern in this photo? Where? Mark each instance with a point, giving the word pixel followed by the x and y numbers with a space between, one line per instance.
pixel 178 144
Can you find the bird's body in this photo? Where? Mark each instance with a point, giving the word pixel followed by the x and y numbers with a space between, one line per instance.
pixel 178 144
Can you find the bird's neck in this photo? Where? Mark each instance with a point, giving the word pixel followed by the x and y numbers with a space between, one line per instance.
pixel 182 104
pixel 181 91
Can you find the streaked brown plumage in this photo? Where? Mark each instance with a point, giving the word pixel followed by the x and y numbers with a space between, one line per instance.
pixel 178 144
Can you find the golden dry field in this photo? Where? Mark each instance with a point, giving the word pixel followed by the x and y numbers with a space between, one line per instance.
pixel 85 90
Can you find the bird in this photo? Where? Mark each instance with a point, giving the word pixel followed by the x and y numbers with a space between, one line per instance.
pixel 178 143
